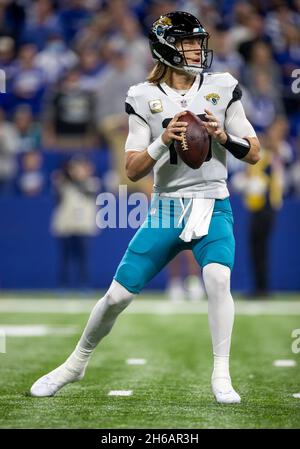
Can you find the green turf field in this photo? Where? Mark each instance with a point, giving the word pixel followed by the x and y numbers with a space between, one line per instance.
pixel 172 390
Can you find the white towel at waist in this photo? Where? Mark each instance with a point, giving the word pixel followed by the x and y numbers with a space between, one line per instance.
pixel 198 222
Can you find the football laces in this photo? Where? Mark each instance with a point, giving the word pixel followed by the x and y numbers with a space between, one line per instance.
pixel 184 142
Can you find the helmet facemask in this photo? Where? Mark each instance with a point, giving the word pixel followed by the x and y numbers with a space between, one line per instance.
pixel 205 56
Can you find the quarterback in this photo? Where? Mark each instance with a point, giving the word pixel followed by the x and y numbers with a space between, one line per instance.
pixel 190 208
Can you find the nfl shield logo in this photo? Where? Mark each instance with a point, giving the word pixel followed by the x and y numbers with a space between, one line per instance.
pixel 183 103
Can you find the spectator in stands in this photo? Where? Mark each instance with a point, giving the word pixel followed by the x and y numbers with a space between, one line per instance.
pixel 226 58
pixel 240 31
pixel 294 121
pixel 91 65
pixel 31 180
pixel 12 19
pixel 110 113
pixel 118 9
pixel 8 66
pixel 69 115
pixel 276 22
pixel 266 103
pixel 7 55
pixel 278 136
pixel 94 33
pixel 5 28
pixel 255 26
pixel 289 60
pixel 55 58
pixel 74 219
pixel 29 82
pixel 131 37
pixel 9 144
pixel 263 187
pixel 41 20
pixel 74 17
pixel 29 131
pixel 261 60
pixel 294 175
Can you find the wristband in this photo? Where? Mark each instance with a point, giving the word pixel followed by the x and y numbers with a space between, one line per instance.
pixel 157 148
pixel 238 147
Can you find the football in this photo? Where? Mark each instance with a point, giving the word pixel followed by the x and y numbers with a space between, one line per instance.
pixel 194 147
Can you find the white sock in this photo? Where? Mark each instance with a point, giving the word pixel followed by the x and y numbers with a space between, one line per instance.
pixel 216 279
pixel 101 320
pixel 78 360
pixel 221 380
pixel 221 367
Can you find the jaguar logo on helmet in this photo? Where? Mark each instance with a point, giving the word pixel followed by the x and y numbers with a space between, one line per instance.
pixel 161 25
pixel 163 21
pixel 167 33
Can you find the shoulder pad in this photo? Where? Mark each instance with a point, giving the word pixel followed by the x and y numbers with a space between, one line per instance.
pixel 224 79
pixel 136 100
pixel 139 89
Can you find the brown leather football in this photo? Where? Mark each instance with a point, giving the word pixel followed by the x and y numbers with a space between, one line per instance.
pixel 194 148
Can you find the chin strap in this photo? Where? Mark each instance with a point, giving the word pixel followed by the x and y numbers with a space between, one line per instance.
pixel 192 70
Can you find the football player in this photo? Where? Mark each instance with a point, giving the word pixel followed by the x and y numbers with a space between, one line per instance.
pixel 200 198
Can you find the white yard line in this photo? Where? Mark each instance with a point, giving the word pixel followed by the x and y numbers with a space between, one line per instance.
pixel 34 330
pixel 145 306
pixel 136 361
pixel 120 393
pixel 284 363
pixel 68 306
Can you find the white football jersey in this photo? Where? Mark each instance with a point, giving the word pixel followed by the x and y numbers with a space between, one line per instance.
pixel 157 105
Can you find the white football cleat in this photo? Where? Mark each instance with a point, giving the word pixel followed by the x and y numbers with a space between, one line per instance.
pixel 49 384
pixel 224 392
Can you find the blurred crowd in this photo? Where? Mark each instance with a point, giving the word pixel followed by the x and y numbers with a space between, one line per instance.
pixel 68 65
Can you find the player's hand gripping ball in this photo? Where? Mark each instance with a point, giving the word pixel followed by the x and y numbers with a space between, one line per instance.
pixel 194 146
